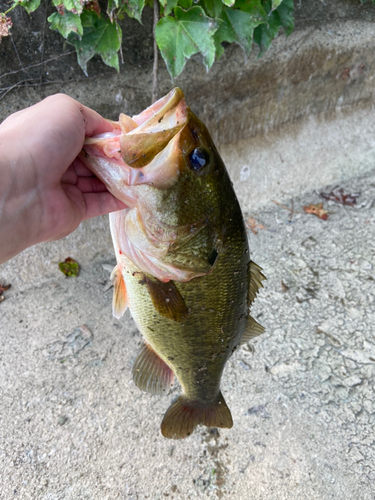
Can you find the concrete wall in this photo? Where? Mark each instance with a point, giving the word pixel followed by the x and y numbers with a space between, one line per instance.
pixel 296 119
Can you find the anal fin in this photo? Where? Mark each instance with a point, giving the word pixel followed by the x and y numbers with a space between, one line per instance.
pixel 253 329
pixel 120 296
pixel 151 373
pixel 184 415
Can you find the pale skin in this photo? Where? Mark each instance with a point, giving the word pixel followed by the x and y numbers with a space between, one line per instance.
pixel 45 191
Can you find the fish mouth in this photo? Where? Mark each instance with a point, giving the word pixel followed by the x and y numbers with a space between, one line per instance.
pixel 164 113
pixel 150 149
pixel 139 150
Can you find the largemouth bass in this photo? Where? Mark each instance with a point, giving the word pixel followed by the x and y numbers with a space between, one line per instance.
pixel 183 264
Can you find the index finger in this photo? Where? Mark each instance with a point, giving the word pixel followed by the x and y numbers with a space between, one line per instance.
pixel 94 123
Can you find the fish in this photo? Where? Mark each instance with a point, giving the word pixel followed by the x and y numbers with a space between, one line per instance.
pixel 183 263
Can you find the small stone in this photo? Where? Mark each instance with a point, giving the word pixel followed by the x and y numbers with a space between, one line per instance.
pixel 62 419
pixel 244 365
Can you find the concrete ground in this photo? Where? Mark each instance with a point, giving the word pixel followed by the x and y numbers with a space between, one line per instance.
pixel 73 426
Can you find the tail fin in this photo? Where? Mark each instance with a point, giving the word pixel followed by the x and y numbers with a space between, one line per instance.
pixel 184 415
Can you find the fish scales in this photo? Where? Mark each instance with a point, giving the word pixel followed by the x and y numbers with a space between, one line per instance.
pixel 215 320
pixel 183 263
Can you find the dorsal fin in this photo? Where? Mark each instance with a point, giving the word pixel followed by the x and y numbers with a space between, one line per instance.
pixel 120 296
pixel 255 278
pixel 167 299
pixel 151 373
pixel 253 329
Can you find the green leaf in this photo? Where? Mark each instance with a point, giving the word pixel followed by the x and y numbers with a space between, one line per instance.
pixel 69 267
pixel 188 33
pixel 168 6
pixel 111 59
pixel 282 16
pixel 254 7
pixel 100 36
pixel 265 33
pixel 70 5
pixel 225 33
pixel 237 26
pixel 228 3
pixel 112 5
pixel 275 4
pixel 133 8
pixel 89 19
pixel 185 4
pixel 285 12
pixel 30 5
pixel 212 7
pixel 66 24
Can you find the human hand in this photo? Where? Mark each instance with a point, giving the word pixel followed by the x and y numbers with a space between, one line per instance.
pixel 45 190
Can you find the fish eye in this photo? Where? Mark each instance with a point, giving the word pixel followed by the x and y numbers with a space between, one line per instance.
pixel 198 158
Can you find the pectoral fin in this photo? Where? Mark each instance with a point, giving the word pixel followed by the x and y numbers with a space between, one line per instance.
pixel 167 299
pixel 120 296
pixel 255 278
pixel 253 329
pixel 151 373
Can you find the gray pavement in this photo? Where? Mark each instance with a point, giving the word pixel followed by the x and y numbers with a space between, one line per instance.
pixel 73 426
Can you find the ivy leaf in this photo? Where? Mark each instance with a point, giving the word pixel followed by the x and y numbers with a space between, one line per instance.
pixel 237 26
pixel 186 4
pixel 254 7
pixel 265 33
pixel 275 4
pixel 30 5
pixel 66 23
pixel 285 12
pixel 112 5
pixel 110 58
pixel 184 35
pixel 133 8
pixel 100 36
pixel 212 7
pixel 282 16
pixel 168 6
pixel 74 6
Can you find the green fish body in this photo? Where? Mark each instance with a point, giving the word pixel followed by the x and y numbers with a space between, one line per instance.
pixel 183 263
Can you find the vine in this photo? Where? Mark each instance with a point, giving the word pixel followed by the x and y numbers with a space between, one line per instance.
pixel 182 28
